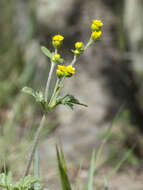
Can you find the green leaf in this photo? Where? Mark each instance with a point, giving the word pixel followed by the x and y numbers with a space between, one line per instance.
pixel 2 180
pixel 28 90
pixel 9 179
pixel 46 52
pixel 6 182
pixel 38 95
pixel 62 170
pixel 25 183
pixel 69 101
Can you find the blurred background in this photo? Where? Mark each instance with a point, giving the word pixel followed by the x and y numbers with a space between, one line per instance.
pixel 108 78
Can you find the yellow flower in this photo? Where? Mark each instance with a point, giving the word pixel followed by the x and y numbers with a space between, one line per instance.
pixel 96 25
pixel 66 71
pixel 76 52
pixel 61 70
pixel 70 69
pixel 59 73
pixel 57 41
pixel 96 35
pixel 56 58
pixel 79 46
pixel 58 38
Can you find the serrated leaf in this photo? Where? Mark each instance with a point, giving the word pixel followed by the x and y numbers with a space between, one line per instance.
pixel 28 90
pixel 39 96
pixel 69 105
pixel 69 101
pixel 2 180
pixel 46 52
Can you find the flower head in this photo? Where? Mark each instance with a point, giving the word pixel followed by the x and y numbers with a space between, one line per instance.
pixel 57 41
pixel 58 38
pixel 56 58
pixel 96 35
pixel 70 70
pixel 96 25
pixel 79 46
pixel 66 71
pixel 76 52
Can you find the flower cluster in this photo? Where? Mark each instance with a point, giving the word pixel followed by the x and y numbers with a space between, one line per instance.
pixel 79 48
pixel 66 71
pixel 96 29
pixel 57 41
pixel 56 58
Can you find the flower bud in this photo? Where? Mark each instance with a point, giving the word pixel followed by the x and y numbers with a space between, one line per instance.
pixel 96 25
pixel 76 52
pixel 57 41
pixel 56 58
pixel 59 73
pixel 96 35
pixel 66 71
pixel 79 46
pixel 70 71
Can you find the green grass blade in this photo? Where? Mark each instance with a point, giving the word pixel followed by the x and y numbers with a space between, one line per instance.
pixel 62 170
pixel 63 161
pixel 91 171
pixel 109 130
pixel 106 137
pixel 117 167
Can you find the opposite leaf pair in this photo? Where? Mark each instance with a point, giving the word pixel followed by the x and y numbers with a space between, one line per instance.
pixel 68 100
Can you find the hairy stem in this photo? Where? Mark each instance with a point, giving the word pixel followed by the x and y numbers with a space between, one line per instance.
pixel 35 143
pixel 48 81
pixel 89 43
pixel 54 92
pixel 43 120
pixel 74 60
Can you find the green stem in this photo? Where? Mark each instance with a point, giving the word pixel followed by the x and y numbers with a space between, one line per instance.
pixel 75 56
pixel 35 143
pixel 49 80
pixel 54 92
pixel 60 82
pixel 43 120
pixel 88 44
pixel 58 86
pixel 74 60
pixel 36 167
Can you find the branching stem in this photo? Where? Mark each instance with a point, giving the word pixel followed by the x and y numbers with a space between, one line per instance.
pixel 48 81
pixel 43 120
